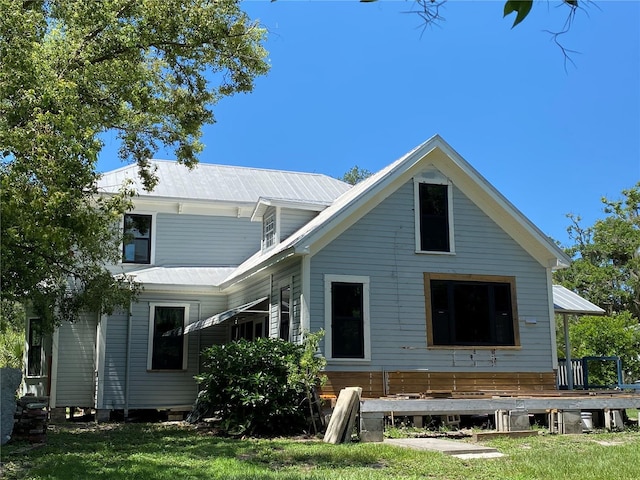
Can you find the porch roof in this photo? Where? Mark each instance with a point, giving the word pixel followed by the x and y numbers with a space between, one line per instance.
pixel 566 301
pixel 219 318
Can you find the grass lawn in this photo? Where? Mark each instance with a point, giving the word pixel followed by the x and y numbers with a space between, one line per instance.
pixel 177 452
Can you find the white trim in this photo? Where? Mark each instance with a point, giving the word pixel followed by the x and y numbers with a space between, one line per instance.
pixel 54 367
pixel 185 343
pixel 152 254
pixel 552 320
pixel 101 347
pixel 433 177
pixel 288 282
pixel 305 295
pixel 366 327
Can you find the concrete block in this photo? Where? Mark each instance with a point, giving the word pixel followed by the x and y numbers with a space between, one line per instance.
pixel 58 415
pixel 371 427
pixel 103 415
pixel 570 421
pixel 613 420
pixel 519 420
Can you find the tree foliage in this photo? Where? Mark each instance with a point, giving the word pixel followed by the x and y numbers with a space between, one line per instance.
pixel 355 175
pixel 606 256
pixel 606 271
pixel 258 387
pixel 71 70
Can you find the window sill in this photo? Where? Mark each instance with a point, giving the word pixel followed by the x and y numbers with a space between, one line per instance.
pixel 168 370
pixel 471 347
pixel 430 252
pixel 347 361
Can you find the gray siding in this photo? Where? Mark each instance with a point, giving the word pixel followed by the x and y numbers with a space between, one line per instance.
pixel 287 274
pixel 204 240
pixel 292 219
pixel 155 389
pixel 381 245
pixel 75 379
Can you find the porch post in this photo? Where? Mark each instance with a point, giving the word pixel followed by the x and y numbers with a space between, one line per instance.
pixel 567 351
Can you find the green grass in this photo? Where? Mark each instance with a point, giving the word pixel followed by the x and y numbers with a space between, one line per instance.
pixel 170 452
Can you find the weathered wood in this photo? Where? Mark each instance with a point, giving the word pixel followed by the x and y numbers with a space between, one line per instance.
pixel 480 436
pixel 370 382
pixel 343 416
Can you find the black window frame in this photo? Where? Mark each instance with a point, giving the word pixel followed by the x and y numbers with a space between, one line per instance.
pixel 129 238
pixel 342 322
pixel 434 225
pixel 35 354
pixel 479 325
pixel 169 337
pixel 284 313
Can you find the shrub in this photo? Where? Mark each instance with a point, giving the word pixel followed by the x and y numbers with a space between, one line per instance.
pixel 258 387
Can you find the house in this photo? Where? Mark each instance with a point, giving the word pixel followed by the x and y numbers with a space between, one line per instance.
pixel 423 277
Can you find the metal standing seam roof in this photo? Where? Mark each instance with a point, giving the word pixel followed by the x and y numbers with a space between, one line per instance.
pixel 183 276
pixel 219 318
pixel 566 301
pixel 225 183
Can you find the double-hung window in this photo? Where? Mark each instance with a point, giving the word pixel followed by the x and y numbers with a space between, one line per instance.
pixel 347 317
pixel 285 313
pixel 167 341
pixel 136 243
pixel 269 230
pixel 434 219
pixel 34 353
pixel 471 311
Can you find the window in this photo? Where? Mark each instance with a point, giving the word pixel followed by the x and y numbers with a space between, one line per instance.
pixel 347 317
pixel 269 230
pixel 433 217
pixel 249 329
pixel 34 354
pixel 469 310
pixel 136 244
pixel 167 342
pixel 285 312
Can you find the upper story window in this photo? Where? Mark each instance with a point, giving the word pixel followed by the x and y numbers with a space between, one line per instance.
pixel 434 219
pixel 347 317
pixel 136 243
pixel 167 341
pixel 471 311
pixel 269 230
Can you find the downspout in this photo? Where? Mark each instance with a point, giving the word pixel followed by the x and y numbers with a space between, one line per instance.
pixel 127 362
pixel 199 349
pixel 268 326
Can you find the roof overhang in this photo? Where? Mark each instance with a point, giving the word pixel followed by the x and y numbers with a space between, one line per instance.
pixel 219 318
pixel 567 302
pixel 263 203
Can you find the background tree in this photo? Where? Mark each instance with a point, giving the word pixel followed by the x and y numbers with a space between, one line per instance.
pixel 70 70
pixel 355 175
pixel 606 271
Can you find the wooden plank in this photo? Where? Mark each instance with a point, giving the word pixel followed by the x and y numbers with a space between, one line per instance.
pixel 343 416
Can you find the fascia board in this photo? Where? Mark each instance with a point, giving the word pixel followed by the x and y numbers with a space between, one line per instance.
pixel 169 288
pixel 260 266
pixel 500 210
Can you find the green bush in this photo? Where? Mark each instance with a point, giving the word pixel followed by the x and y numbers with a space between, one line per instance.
pixel 259 387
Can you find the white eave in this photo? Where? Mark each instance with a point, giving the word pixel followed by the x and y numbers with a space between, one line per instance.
pixel 200 279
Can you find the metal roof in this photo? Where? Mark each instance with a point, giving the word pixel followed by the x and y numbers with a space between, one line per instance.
pixel 182 276
pixel 566 301
pixel 225 183
pixel 219 318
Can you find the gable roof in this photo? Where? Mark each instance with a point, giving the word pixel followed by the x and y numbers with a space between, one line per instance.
pixel 364 196
pixel 223 183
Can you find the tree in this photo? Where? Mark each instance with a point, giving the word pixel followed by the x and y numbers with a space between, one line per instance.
pixel 606 266
pixel 70 70
pixel 606 271
pixel 355 175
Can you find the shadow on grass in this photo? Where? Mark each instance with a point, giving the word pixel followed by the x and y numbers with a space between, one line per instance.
pixel 119 452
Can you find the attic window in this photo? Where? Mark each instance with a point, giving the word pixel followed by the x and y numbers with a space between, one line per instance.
pixel 434 220
pixel 269 230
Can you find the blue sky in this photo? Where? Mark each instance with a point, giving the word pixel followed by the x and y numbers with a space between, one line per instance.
pixel 362 84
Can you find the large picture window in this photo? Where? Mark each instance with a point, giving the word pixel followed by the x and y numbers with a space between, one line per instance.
pixel 471 311
pixel 347 317
pixel 167 342
pixel 136 243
